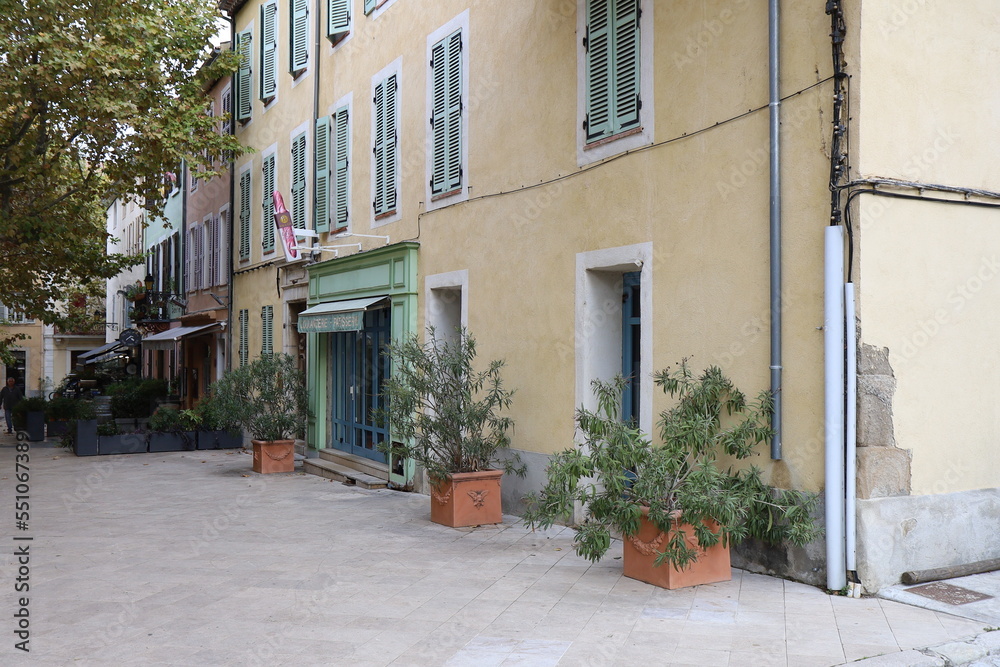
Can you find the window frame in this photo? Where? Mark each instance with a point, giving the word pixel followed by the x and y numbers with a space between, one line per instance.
pixel 267 84
pixel 590 151
pixel 337 32
pixel 385 215
pixel 437 199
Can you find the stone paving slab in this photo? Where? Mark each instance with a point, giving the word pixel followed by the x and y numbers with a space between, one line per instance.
pixel 189 558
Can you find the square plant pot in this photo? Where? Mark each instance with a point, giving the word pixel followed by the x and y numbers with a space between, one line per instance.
pixel 129 443
pixel 273 456
pixel 85 441
pixel 219 440
pixel 468 499
pixel 58 428
pixel 640 552
pixel 172 442
pixel 35 426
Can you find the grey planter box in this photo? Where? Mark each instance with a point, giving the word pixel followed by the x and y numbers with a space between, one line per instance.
pixel 129 443
pixel 219 440
pixel 57 428
pixel 172 442
pixel 85 442
pixel 35 426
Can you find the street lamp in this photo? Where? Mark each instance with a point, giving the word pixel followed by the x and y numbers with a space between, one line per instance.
pixel 149 282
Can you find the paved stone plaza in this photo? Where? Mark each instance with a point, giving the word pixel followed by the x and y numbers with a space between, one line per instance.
pixel 192 559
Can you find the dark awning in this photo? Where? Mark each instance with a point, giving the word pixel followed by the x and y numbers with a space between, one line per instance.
pixel 337 315
pixel 166 339
pixel 90 354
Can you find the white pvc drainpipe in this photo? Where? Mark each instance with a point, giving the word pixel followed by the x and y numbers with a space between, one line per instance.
pixel 833 344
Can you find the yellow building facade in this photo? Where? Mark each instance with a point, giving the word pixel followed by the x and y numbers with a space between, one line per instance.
pixel 586 185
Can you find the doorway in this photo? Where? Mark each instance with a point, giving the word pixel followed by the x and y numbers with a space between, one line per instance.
pixel 359 367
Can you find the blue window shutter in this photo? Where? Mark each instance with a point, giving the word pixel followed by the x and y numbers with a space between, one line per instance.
pixel 268 50
pixel 298 55
pixel 626 64
pixel 342 158
pixel 338 19
pixel 321 176
pixel 267 231
pixel 369 6
pixel 299 181
pixel 439 116
pixel 267 331
pixel 245 193
pixel 244 338
pixel 600 55
pixel 244 76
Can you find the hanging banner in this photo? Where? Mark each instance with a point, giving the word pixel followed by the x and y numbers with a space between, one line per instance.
pixel 284 228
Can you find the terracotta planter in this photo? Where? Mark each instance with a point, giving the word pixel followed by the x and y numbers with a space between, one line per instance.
pixel 640 551
pixel 468 499
pixel 273 456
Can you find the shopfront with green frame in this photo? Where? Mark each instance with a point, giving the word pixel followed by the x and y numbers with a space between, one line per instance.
pixel 356 305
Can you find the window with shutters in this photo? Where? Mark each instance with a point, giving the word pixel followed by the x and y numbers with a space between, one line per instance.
pixel 267 219
pixel 616 75
pixel 321 176
pixel 267 331
pixel 447 103
pixel 224 251
pixel 226 126
pixel 298 204
pixel 372 5
pixel 338 19
pixel 246 193
pixel 212 253
pixel 298 33
pixel 385 118
pixel 244 76
pixel 268 51
pixel 244 352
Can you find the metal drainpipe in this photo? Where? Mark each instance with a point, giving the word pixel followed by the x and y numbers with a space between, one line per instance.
pixel 774 105
pixel 232 204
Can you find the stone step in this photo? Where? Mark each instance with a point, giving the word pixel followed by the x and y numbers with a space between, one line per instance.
pixel 360 463
pixel 341 473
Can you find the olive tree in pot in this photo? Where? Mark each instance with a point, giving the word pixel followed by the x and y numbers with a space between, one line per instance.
pixel 675 504
pixel 268 399
pixel 446 416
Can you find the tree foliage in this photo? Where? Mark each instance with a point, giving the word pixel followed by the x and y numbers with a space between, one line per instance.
pixel 98 99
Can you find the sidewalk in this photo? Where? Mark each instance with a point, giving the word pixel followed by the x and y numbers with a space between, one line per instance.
pixel 192 559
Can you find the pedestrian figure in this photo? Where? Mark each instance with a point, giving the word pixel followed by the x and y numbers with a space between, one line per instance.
pixel 9 397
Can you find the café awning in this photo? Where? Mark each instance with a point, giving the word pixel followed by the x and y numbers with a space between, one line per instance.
pixel 90 355
pixel 337 316
pixel 166 339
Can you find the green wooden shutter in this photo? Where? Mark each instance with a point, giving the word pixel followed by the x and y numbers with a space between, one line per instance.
pixel 246 189
pixel 299 181
pixel 268 50
pixel 369 6
pixel 298 43
pixel 379 149
pixel 446 67
pixel 321 176
pixel 342 162
pixel 267 337
pixel 244 76
pixel 626 65
pixel 391 174
pixel 244 342
pixel 599 57
pixel 338 19
pixel 267 232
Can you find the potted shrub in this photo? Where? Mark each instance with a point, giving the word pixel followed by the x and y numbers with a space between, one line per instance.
pixel 82 435
pixel 214 432
pixel 446 416
pixel 29 415
pixel 133 400
pixel 110 440
pixel 172 430
pixel 268 399
pixel 135 292
pixel 59 412
pixel 676 506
